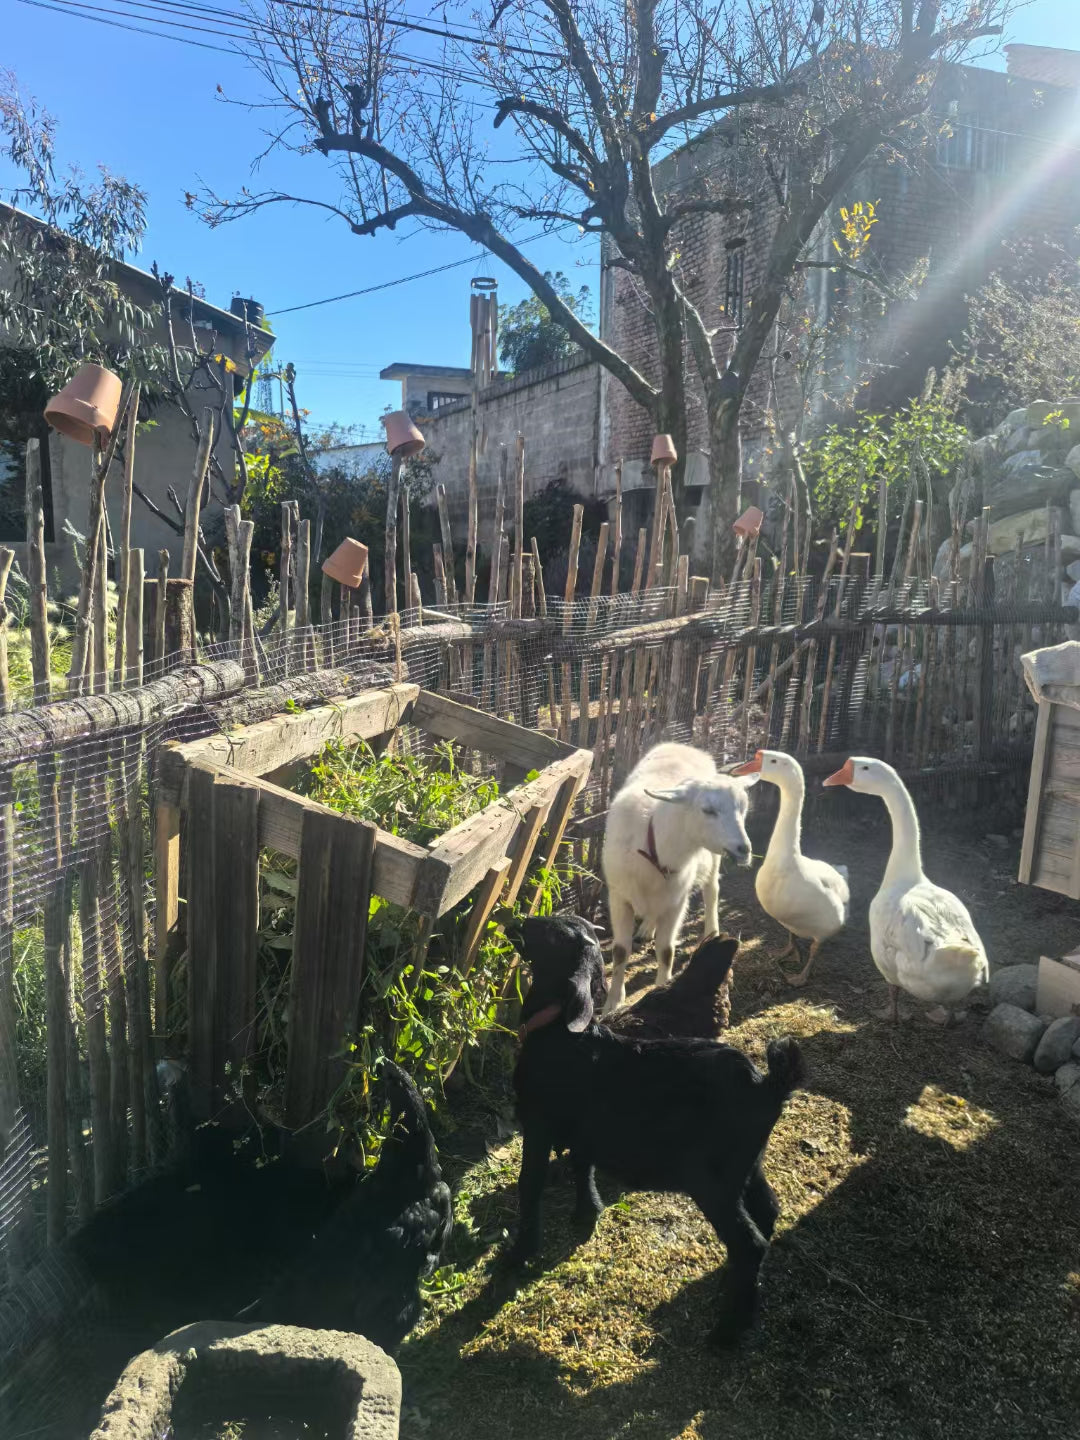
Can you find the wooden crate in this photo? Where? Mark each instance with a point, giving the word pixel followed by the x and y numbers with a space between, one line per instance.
pixel 231 810
pixel 1050 855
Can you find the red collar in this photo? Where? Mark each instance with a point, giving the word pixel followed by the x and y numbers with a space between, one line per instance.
pixel 650 850
pixel 538 1020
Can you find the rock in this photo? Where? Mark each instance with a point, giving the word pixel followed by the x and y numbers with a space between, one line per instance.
pixel 1018 440
pixel 1015 985
pixel 1067 1077
pixel 1072 460
pixel 1038 410
pixel 1013 419
pixel 1020 460
pixel 1076 1052
pixel 1013 1031
pixel 1071 1102
pixel 1074 512
pixel 1056 1045
pixel 984 449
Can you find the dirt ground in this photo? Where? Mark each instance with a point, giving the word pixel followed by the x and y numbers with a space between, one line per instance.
pixel 925 1278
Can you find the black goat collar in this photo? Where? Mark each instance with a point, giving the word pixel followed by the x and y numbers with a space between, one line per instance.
pixel 537 1021
pixel 650 850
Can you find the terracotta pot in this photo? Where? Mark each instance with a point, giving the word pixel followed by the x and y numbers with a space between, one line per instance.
pixel 663 451
pixel 749 523
pixel 347 564
pixel 87 405
pixel 402 436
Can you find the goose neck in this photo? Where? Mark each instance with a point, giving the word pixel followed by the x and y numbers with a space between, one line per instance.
pixel 905 860
pixel 787 832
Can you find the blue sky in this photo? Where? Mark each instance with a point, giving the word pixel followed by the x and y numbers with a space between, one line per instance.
pixel 149 109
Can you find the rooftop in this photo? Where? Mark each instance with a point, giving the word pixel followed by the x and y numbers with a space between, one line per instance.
pixel 1046 64
pixel 203 310
pixel 401 370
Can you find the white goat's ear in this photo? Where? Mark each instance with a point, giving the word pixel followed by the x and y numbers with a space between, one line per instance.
pixel 678 796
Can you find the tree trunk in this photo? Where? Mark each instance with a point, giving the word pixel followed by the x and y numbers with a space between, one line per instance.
pixel 669 414
pixel 725 484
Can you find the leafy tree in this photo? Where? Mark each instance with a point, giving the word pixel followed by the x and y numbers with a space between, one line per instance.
pixel 919 445
pixel 529 337
pixel 1023 334
pixel 792 99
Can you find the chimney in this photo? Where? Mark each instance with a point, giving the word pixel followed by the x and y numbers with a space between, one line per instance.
pixel 1044 65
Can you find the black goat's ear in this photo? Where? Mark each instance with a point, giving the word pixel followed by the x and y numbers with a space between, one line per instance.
pixel 578 1010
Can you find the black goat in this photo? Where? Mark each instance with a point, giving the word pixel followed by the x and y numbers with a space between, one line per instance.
pixel 362 1271
pixel 695 1004
pixel 708 1109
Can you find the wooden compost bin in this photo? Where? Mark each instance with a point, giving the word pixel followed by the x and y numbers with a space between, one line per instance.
pixel 231 811
pixel 1050 855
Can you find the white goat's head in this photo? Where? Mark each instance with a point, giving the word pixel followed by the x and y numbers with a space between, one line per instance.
pixel 714 812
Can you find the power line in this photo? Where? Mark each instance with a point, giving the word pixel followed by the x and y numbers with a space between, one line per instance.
pixel 406 279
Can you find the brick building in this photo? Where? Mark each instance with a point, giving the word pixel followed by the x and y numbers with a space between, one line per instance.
pixel 1007 166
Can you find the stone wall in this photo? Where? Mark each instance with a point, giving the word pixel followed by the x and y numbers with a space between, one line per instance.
pixel 1028 472
pixel 556 408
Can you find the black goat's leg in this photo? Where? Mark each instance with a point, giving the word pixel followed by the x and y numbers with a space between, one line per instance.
pixel 746 1248
pixel 589 1206
pixel 761 1203
pixel 534 1165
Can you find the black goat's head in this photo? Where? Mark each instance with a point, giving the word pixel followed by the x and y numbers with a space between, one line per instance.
pixel 567 968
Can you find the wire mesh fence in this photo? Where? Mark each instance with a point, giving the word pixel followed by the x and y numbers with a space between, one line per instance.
pixel 817 667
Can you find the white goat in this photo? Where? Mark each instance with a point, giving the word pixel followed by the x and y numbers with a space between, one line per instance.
pixel 666 830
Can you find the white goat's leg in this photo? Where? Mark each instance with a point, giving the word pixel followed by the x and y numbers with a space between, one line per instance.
pixel 711 896
pixel 622 930
pixel 668 926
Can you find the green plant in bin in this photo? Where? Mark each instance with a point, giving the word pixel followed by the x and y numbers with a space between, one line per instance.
pixel 422 1004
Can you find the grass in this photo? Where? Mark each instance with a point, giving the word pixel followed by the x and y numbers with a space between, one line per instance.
pixel 925 1280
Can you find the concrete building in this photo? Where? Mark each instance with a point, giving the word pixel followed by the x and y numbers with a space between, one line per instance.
pixel 428 389
pixel 165 453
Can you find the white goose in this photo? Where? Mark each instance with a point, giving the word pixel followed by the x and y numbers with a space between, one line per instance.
pixel 808 897
pixel 921 937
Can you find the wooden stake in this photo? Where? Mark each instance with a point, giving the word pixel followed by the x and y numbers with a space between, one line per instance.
pixel 162 605
pixel 447 545
pixel 519 521
pixel 284 579
pixel 390 544
pixel 538 575
pixel 616 547
pixel 123 582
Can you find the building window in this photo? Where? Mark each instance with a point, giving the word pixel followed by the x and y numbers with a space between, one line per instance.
pixel 13 490
pixel 967 144
pixel 439 399
pixel 733 282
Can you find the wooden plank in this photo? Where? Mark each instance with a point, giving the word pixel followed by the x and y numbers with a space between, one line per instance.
pixel 236 860
pixel 270 744
pixel 202 940
pixel 281 817
pixel 332 900
pixel 499 738
pixel 463 856
pixel 1035 785
pixel 558 817
pixel 487 897
pixel 167 902
pixel 522 847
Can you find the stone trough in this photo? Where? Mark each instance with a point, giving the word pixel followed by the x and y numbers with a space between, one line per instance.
pixel 272 1382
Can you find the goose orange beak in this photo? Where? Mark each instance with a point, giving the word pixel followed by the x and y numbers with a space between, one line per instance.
pixel 750 767
pixel 844 776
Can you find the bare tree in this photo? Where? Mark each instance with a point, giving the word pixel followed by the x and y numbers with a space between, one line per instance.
pixel 411 116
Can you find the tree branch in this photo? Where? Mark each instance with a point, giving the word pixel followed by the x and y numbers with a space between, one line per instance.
pixel 729 100
pixel 847 269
